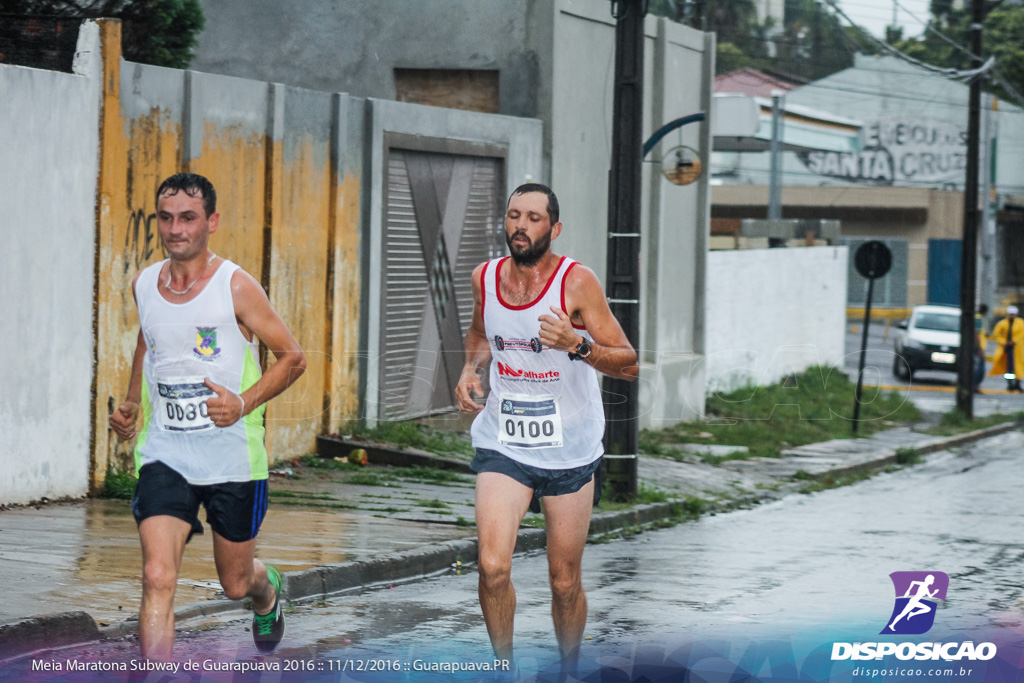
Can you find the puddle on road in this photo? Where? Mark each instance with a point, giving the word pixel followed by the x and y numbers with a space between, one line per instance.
pixel 86 556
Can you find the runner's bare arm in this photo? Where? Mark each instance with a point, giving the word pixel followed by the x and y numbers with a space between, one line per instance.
pixel 611 353
pixel 256 315
pixel 478 352
pixel 123 419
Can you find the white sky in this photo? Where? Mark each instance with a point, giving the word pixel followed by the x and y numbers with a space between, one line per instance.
pixel 875 15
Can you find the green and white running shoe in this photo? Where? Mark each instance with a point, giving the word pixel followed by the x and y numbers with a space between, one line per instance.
pixel 268 629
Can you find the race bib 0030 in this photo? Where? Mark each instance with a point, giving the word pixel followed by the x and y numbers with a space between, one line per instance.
pixel 182 405
pixel 527 421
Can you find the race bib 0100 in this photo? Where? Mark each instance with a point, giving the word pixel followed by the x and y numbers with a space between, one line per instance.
pixel 182 405
pixel 527 421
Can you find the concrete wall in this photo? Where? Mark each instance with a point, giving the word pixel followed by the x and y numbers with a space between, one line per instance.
pixel 679 70
pixel 772 312
pixel 298 175
pixel 556 62
pixel 917 214
pixel 353 48
pixel 79 172
pixel 675 246
pixel 289 216
pixel 48 203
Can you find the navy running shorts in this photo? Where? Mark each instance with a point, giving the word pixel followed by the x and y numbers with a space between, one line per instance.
pixel 543 482
pixel 234 510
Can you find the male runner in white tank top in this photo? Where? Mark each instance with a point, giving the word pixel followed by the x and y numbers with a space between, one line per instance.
pixel 196 377
pixel 545 322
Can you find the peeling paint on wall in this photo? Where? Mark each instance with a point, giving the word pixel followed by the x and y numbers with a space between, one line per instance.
pixel 298 292
pixel 343 389
pixel 136 153
pixel 274 194
pixel 296 213
pixel 234 161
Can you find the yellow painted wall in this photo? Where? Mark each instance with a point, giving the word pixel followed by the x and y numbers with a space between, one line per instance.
pixel 343 383
pixel 235 163
pixel 298 292
pixel 310 217
pixel 135 156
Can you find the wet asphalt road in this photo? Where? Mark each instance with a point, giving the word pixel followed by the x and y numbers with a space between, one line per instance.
pixel 810 566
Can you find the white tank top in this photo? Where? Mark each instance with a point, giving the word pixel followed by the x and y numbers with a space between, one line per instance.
pixel 186 343
pixel 544 409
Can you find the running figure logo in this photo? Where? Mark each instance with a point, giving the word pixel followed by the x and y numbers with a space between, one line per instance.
pixel 917 595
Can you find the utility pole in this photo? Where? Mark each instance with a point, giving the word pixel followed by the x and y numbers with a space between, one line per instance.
pixel 623 273
pixel 969 260
pixel 775 152
pixel 986 230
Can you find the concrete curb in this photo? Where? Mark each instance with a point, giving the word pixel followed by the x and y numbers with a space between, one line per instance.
pixel 940 443
pixel 383 454
pixel 22 637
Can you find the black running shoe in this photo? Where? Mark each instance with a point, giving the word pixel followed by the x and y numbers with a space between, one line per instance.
pixel 268 629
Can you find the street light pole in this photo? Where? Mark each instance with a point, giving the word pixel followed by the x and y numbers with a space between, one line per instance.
pixel 969 258
pixel 623 272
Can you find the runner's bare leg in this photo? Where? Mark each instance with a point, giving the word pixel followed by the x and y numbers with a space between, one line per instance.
pixel 567 519
pixel 241 574
pixel 163 542
pixel 501 503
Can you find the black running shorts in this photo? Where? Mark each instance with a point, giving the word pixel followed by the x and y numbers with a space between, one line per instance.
pixel 234 510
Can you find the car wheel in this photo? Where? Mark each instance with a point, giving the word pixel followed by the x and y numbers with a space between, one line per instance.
pixel 900 368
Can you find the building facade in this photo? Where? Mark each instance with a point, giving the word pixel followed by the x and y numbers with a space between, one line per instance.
pixel 904 184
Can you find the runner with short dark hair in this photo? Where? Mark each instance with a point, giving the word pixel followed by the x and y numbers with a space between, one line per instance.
pixel 196 378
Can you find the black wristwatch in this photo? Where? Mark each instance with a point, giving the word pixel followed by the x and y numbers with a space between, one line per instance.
pixel 582 351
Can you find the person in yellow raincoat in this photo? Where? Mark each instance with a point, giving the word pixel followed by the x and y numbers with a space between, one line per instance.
pixel 1009 358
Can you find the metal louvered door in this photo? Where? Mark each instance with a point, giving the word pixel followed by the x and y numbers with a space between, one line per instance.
pixel 443 217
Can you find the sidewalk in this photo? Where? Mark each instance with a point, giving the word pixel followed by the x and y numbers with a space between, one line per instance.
pixel 78 564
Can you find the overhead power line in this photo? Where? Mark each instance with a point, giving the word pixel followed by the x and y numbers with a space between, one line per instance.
pixel 956 74
pixel 997 76
pixel 929 27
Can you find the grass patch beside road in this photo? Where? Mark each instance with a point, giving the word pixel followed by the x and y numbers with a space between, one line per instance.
pixel 829 481
pixel 370 475
pixel 410 435
pixel 809 407
pixel 366 479
pixel 644 494
pixel 433 504
pixel 316 462
pixel 118 485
